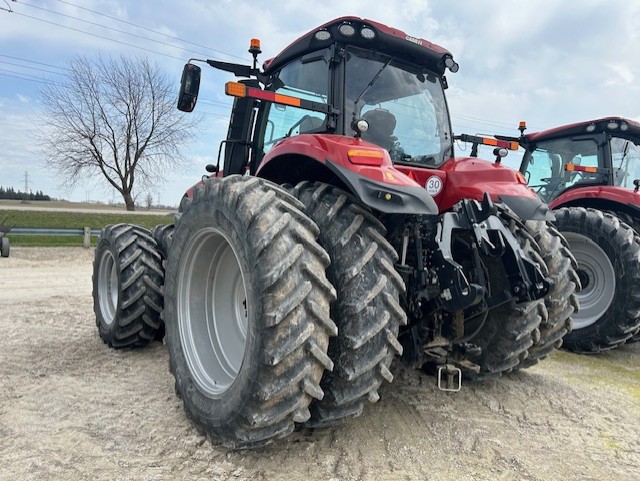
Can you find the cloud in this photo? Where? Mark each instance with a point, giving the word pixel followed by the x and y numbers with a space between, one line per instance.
pixel 622 75
pixel 548 62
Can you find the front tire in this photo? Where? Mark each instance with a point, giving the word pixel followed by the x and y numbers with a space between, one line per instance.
pixel 127 286
pixel 608 256
pixel 367 310
pixel 247 311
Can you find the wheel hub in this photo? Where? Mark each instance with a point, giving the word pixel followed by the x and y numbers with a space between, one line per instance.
pixel 212 311
pixel 108 287
pixel 597 276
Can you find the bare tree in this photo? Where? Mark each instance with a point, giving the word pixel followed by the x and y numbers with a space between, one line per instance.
pixel 117 118
pixel 148 201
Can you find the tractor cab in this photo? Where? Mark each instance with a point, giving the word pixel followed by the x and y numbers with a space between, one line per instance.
pixel 590 154
pixel 353 78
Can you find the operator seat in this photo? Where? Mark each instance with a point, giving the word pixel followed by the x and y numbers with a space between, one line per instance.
pixel 382 123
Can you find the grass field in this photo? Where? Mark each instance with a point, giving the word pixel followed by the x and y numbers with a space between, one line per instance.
pixel 54 219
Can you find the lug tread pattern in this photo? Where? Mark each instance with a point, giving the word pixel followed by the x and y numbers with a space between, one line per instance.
pixel 291 298
pixel 561 301
pixel 140 280
pixel 367 310
pixel 621 322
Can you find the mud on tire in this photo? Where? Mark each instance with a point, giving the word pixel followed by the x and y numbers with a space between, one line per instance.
pixel 127 286
pixel 561 301
pixel 510 329
pixel 163 235
pixel 247 311
pixel 608 256
pixel 367 310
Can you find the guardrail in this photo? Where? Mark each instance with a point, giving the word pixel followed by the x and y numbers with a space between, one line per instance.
pixel 86 232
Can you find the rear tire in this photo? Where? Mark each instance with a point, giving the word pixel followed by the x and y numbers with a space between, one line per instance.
pixel 163 234
pixel 4 247
pixel 367 310
pixel 561 301
pixel 510 329
pixel 608 256
pixel 247 311
pixel 127 286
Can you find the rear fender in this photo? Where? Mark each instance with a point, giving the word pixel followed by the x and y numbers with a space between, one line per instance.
pixel 607 194
pixel 360 167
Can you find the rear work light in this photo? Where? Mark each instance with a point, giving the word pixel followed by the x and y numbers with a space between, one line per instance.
pixel 237 89
pixel 580 168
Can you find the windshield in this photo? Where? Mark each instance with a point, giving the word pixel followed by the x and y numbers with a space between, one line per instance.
pixel 404 106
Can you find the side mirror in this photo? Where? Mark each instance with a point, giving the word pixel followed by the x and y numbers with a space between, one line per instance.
pixel 189 87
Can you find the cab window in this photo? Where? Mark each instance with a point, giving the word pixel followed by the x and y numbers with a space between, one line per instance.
pixel 306 78
pixel 625 158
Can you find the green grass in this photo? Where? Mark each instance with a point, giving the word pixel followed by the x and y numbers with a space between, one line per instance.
pixel 70 220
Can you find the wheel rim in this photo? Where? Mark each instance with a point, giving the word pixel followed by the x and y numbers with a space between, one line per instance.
pixel 597 276
pixel 212 311
pixel 108 287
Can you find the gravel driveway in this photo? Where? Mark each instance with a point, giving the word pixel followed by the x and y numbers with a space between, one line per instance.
pixel 72 409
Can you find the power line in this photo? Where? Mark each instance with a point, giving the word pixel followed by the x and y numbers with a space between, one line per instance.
pixel 31 61
pixel 97 36
pixel 31 68
pixel 24 76
pixel 150 30
pixel 114 29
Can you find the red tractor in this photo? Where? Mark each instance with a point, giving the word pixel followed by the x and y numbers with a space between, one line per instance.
pixel 589 173
pixel 339 232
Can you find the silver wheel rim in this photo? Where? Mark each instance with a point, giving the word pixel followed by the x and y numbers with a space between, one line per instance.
pixel 212 311
pixel 108 287
pixel 597 276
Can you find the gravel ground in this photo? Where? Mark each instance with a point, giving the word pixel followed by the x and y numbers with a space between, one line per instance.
pixel 73 409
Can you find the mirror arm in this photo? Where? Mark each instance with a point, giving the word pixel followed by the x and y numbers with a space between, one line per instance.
pixel 239 70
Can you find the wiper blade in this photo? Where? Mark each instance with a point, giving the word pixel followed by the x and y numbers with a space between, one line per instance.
pixel 373 80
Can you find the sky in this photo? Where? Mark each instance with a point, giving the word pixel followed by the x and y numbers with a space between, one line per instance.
pixel 547 62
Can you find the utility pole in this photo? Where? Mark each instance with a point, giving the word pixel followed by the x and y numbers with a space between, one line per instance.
pixel 25 196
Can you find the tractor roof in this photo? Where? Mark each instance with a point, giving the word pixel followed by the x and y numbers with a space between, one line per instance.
pixel 612 125
pixel 366 34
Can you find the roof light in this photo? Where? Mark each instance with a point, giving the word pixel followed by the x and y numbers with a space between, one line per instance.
pixel 368 33
pixel 451 64
pixel 347 30
pixel 590 128
pixel 612 125
pixel 624 127
pixel 322 35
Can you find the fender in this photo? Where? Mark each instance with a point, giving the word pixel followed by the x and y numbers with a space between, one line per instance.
pixel 618 195
pixel 364 168
pixel 471 178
